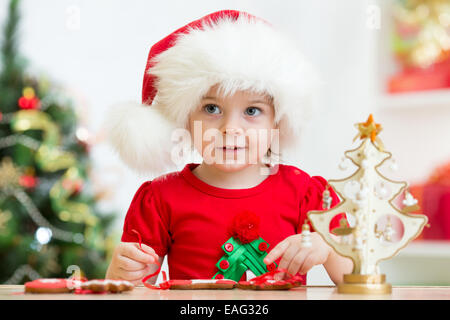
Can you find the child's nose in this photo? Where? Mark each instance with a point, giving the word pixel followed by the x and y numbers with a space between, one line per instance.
pixel 234 131
pixel 231 125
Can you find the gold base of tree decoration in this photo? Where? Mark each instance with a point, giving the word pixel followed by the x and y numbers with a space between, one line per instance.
pixel 367 199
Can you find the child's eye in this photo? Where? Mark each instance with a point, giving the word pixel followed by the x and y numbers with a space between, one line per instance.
pixel 252 111
pixel 212 108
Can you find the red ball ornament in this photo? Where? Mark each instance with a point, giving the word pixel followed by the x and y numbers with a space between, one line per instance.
pixel 28 181
pixel 32 103
pixel 245 227
pixel 29 99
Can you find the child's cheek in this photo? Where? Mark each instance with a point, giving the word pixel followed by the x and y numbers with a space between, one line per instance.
pixel 259 142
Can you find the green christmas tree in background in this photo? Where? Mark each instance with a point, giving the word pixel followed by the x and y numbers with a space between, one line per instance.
pixel 49 223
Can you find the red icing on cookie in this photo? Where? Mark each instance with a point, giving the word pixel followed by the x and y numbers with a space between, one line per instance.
pixel 49 283
pixel 225 281
pixel 179 282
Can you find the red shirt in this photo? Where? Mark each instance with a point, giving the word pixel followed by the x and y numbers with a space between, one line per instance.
pixel 181 216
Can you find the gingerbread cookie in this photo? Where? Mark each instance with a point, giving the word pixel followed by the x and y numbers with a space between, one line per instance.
pixel 106 285
pixel 267 281
pixel 196 284
pixel 267 285
pixel 51 286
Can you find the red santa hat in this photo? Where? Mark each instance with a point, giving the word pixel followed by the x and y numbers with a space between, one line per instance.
pixel 232 49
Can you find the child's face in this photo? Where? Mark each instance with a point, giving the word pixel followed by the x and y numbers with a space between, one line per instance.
pixel 243 122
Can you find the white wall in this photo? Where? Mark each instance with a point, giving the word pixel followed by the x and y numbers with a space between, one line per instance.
pixel 101 61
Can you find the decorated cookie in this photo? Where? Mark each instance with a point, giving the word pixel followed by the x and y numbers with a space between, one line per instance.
pixel 267 282
pixel 106 285
pixel 51 286
pixel 199 284
pixel 267 285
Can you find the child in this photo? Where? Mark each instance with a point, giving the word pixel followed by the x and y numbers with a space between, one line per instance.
pixel 224 76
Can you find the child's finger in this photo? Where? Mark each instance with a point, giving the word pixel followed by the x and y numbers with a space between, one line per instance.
pixel 135 253
pixel 150 251
pixel 134 275
pixel 136 282
pixel 286 259
pixel 128 264
pixel 297 261
pixel 308 263
pixel 276 252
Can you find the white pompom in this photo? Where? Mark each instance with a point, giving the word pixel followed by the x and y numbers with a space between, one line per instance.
pixel 142 137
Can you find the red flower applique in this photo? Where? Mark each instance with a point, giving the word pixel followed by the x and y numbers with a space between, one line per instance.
pixel 245 227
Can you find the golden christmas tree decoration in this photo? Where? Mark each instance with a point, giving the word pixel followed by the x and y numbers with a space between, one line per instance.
pixel 367 199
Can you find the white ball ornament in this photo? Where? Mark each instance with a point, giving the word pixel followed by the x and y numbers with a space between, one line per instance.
pixel 409 200
pixel 365 164
pixel 343 165
pixel 393 165
pixel 43 235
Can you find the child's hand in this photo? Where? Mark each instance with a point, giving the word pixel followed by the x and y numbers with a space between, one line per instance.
pixel 130 263
pixel 297 259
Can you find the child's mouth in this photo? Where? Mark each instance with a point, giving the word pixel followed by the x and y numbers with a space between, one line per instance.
pixel 231 149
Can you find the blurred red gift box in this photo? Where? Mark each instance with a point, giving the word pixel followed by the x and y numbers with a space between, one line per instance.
pixel 434 199
pixel 436 76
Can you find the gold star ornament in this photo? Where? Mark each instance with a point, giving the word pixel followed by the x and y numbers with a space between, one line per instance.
pixel 370 129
